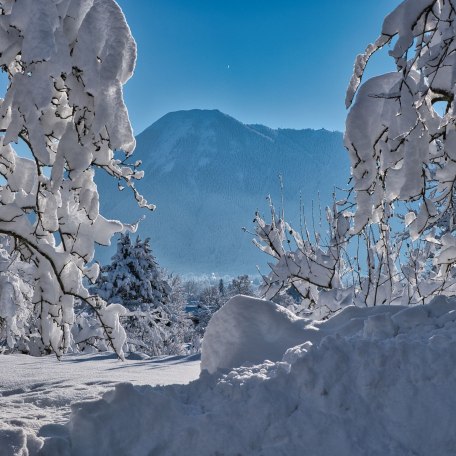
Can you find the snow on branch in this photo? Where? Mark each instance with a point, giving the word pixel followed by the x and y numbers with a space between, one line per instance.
pixel 400 148
pixel 66 62
pixel 403 163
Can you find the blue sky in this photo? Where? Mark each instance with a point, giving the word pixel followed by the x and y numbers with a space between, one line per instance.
pixel 282 63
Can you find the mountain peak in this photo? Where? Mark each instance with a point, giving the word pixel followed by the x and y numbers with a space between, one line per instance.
pixel 208 173
pixel 193 116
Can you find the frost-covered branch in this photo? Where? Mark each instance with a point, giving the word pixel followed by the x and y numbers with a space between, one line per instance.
pixel 66 62
pixel 400 148
pixel 373 267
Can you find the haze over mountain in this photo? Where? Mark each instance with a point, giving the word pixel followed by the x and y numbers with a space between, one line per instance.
pixel 208 173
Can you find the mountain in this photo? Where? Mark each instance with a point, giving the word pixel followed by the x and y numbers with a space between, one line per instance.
pixel 208 173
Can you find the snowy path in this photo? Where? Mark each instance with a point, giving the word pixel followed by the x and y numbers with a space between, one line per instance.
pixel 38 391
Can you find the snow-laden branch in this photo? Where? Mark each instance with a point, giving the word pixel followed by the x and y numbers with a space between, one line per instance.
pixel 400 148
pixel 373 267
pixel 66 62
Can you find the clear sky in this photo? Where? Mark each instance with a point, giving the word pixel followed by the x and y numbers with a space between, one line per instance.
pixel 282 63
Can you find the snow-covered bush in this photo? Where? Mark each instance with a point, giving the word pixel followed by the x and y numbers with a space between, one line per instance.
pixel 66 62
pixel 305 266
pixel 16 311
pixel 373 267
pixel 155 321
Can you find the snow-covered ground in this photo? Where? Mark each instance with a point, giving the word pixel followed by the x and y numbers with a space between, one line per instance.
pixel 35 392
pixel 369 381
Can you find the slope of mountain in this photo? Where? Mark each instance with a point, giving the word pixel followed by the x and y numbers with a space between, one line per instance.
pixel 208 173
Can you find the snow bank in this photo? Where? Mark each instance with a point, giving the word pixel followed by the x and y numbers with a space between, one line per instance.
pixel 374 381
pixel 250 330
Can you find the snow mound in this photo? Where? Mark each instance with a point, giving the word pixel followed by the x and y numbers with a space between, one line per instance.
pixel 249 330
pixel 371 381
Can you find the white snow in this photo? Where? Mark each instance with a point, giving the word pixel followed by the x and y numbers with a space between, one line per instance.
pixel 251 330
pixel 377 381
pixel 35 392
pixel 66 62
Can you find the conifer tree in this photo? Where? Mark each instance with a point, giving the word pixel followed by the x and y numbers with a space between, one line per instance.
pixel 155 323
pixel 133 278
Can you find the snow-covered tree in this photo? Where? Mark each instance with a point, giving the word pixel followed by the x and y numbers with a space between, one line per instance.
pixel 221 288
pixel 155 321
pixel 240 285
pixel 66 62
pixel 211 298
pixel 403 159
pixel 177 295
pixel 400 147
pixel 133 277
pixel 206 303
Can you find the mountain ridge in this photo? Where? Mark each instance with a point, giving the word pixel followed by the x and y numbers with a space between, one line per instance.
pixel 208 173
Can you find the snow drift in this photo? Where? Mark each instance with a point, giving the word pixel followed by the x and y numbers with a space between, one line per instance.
pixel 251 330
pixel 368 381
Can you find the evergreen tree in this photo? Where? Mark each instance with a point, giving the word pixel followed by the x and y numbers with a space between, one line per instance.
pixel 222 288
pixel 156 323
pixel 133 278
